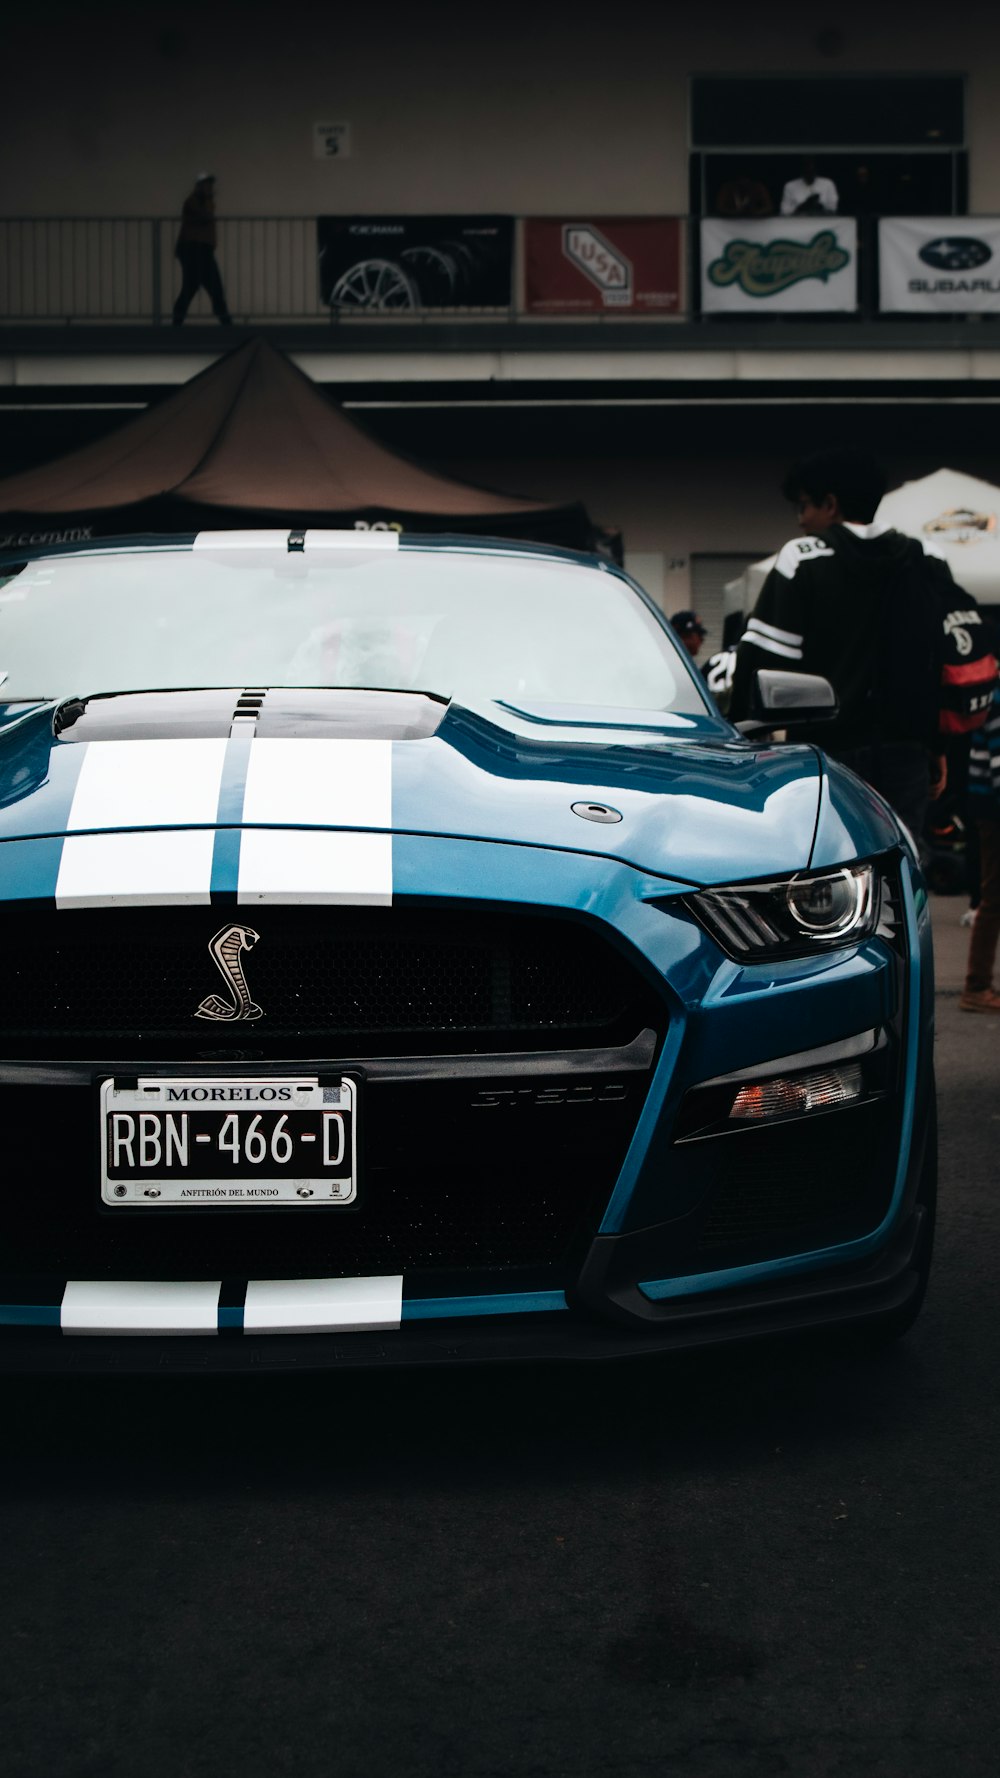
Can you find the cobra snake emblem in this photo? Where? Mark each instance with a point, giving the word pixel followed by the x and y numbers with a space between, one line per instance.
pixel 225 950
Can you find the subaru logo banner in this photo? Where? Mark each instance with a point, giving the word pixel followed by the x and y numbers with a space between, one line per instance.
pixel 939 264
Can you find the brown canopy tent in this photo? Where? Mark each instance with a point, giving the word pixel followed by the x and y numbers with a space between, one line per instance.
pixel 252 441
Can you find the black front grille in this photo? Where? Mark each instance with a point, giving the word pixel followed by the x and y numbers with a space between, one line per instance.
pixel 451 1177
pixel 328 979
pixel 764 1194
pixel 807 1183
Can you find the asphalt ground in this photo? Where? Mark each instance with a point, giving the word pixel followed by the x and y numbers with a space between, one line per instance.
pixel 779 1560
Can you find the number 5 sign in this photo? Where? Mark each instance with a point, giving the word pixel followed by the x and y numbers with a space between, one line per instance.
pixel 332 141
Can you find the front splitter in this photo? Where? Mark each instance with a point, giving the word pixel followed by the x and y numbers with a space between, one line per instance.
pixel 852 1296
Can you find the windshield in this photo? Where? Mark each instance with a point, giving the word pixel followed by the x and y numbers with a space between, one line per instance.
pixel 461 625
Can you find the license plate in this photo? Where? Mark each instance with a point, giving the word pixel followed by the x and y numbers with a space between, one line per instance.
pixel 228 1143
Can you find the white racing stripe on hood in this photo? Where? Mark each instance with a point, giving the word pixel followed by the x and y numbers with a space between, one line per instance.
pixel 142 784
pixel 296 792
pixel 308 784
pixel 354 869
pixel 148 784
pixel 319 783
pixel 172 869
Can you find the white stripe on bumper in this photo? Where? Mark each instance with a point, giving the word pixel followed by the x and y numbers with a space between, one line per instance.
pixel 127 1308
pixel 323 1305
pixel 115 1307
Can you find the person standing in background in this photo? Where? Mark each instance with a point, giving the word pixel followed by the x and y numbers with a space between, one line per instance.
pixel 196 251
pixel 689 627
pixel 744 196
pixel 979 994
pixel 809 195
pixel 857 603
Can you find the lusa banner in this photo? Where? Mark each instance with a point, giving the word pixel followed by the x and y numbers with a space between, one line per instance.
pixel 632 265
pixel 786 263
pixel 939 264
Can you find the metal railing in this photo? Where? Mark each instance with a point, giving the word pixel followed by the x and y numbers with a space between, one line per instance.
pixel 123 270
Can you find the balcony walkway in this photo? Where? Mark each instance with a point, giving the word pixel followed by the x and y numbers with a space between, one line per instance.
pixel 791 359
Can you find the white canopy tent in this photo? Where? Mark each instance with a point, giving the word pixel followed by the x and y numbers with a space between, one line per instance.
pixel 960 517
pixel 957 514
pixel 740 595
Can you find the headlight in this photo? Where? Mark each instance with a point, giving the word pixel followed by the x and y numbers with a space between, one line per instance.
pixel 795 917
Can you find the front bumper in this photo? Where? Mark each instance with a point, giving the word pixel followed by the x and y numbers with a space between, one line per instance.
pixel 720 1018
pixel 836 1300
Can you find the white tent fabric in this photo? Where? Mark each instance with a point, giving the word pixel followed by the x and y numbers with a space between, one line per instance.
pixel 957 515
pixel 741 594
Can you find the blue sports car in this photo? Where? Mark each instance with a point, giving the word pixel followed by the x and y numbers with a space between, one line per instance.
pixel 405 962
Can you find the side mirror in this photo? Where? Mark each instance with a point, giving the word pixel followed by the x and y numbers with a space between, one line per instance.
pixel 785 700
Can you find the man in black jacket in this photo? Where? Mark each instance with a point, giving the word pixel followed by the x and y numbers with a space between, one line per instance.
pixel 858 603
pixel 195 250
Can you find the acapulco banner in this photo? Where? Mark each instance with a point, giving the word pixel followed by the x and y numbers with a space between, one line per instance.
pixel 632 265
pixel 788 263
pixel 391 264
pixel 939 264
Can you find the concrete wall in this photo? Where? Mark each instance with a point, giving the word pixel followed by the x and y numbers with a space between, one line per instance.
pixel 531 107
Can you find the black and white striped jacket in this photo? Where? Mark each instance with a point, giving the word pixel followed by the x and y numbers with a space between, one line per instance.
pixel 861 606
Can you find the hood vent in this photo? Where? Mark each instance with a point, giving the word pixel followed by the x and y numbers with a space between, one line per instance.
pixel 248 709
pixel 350 715
pixel 287 712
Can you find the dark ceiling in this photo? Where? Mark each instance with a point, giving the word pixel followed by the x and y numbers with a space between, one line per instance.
pixel 449 427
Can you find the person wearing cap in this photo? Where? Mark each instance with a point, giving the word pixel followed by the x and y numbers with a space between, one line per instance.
pixel 690 629
pixel 196 251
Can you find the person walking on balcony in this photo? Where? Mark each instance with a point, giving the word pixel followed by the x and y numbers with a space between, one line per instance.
pixel 196 251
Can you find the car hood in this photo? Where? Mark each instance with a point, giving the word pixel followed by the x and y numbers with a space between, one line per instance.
pixel 678 797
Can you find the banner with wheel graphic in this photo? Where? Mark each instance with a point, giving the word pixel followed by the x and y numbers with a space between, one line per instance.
pixel 401 264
